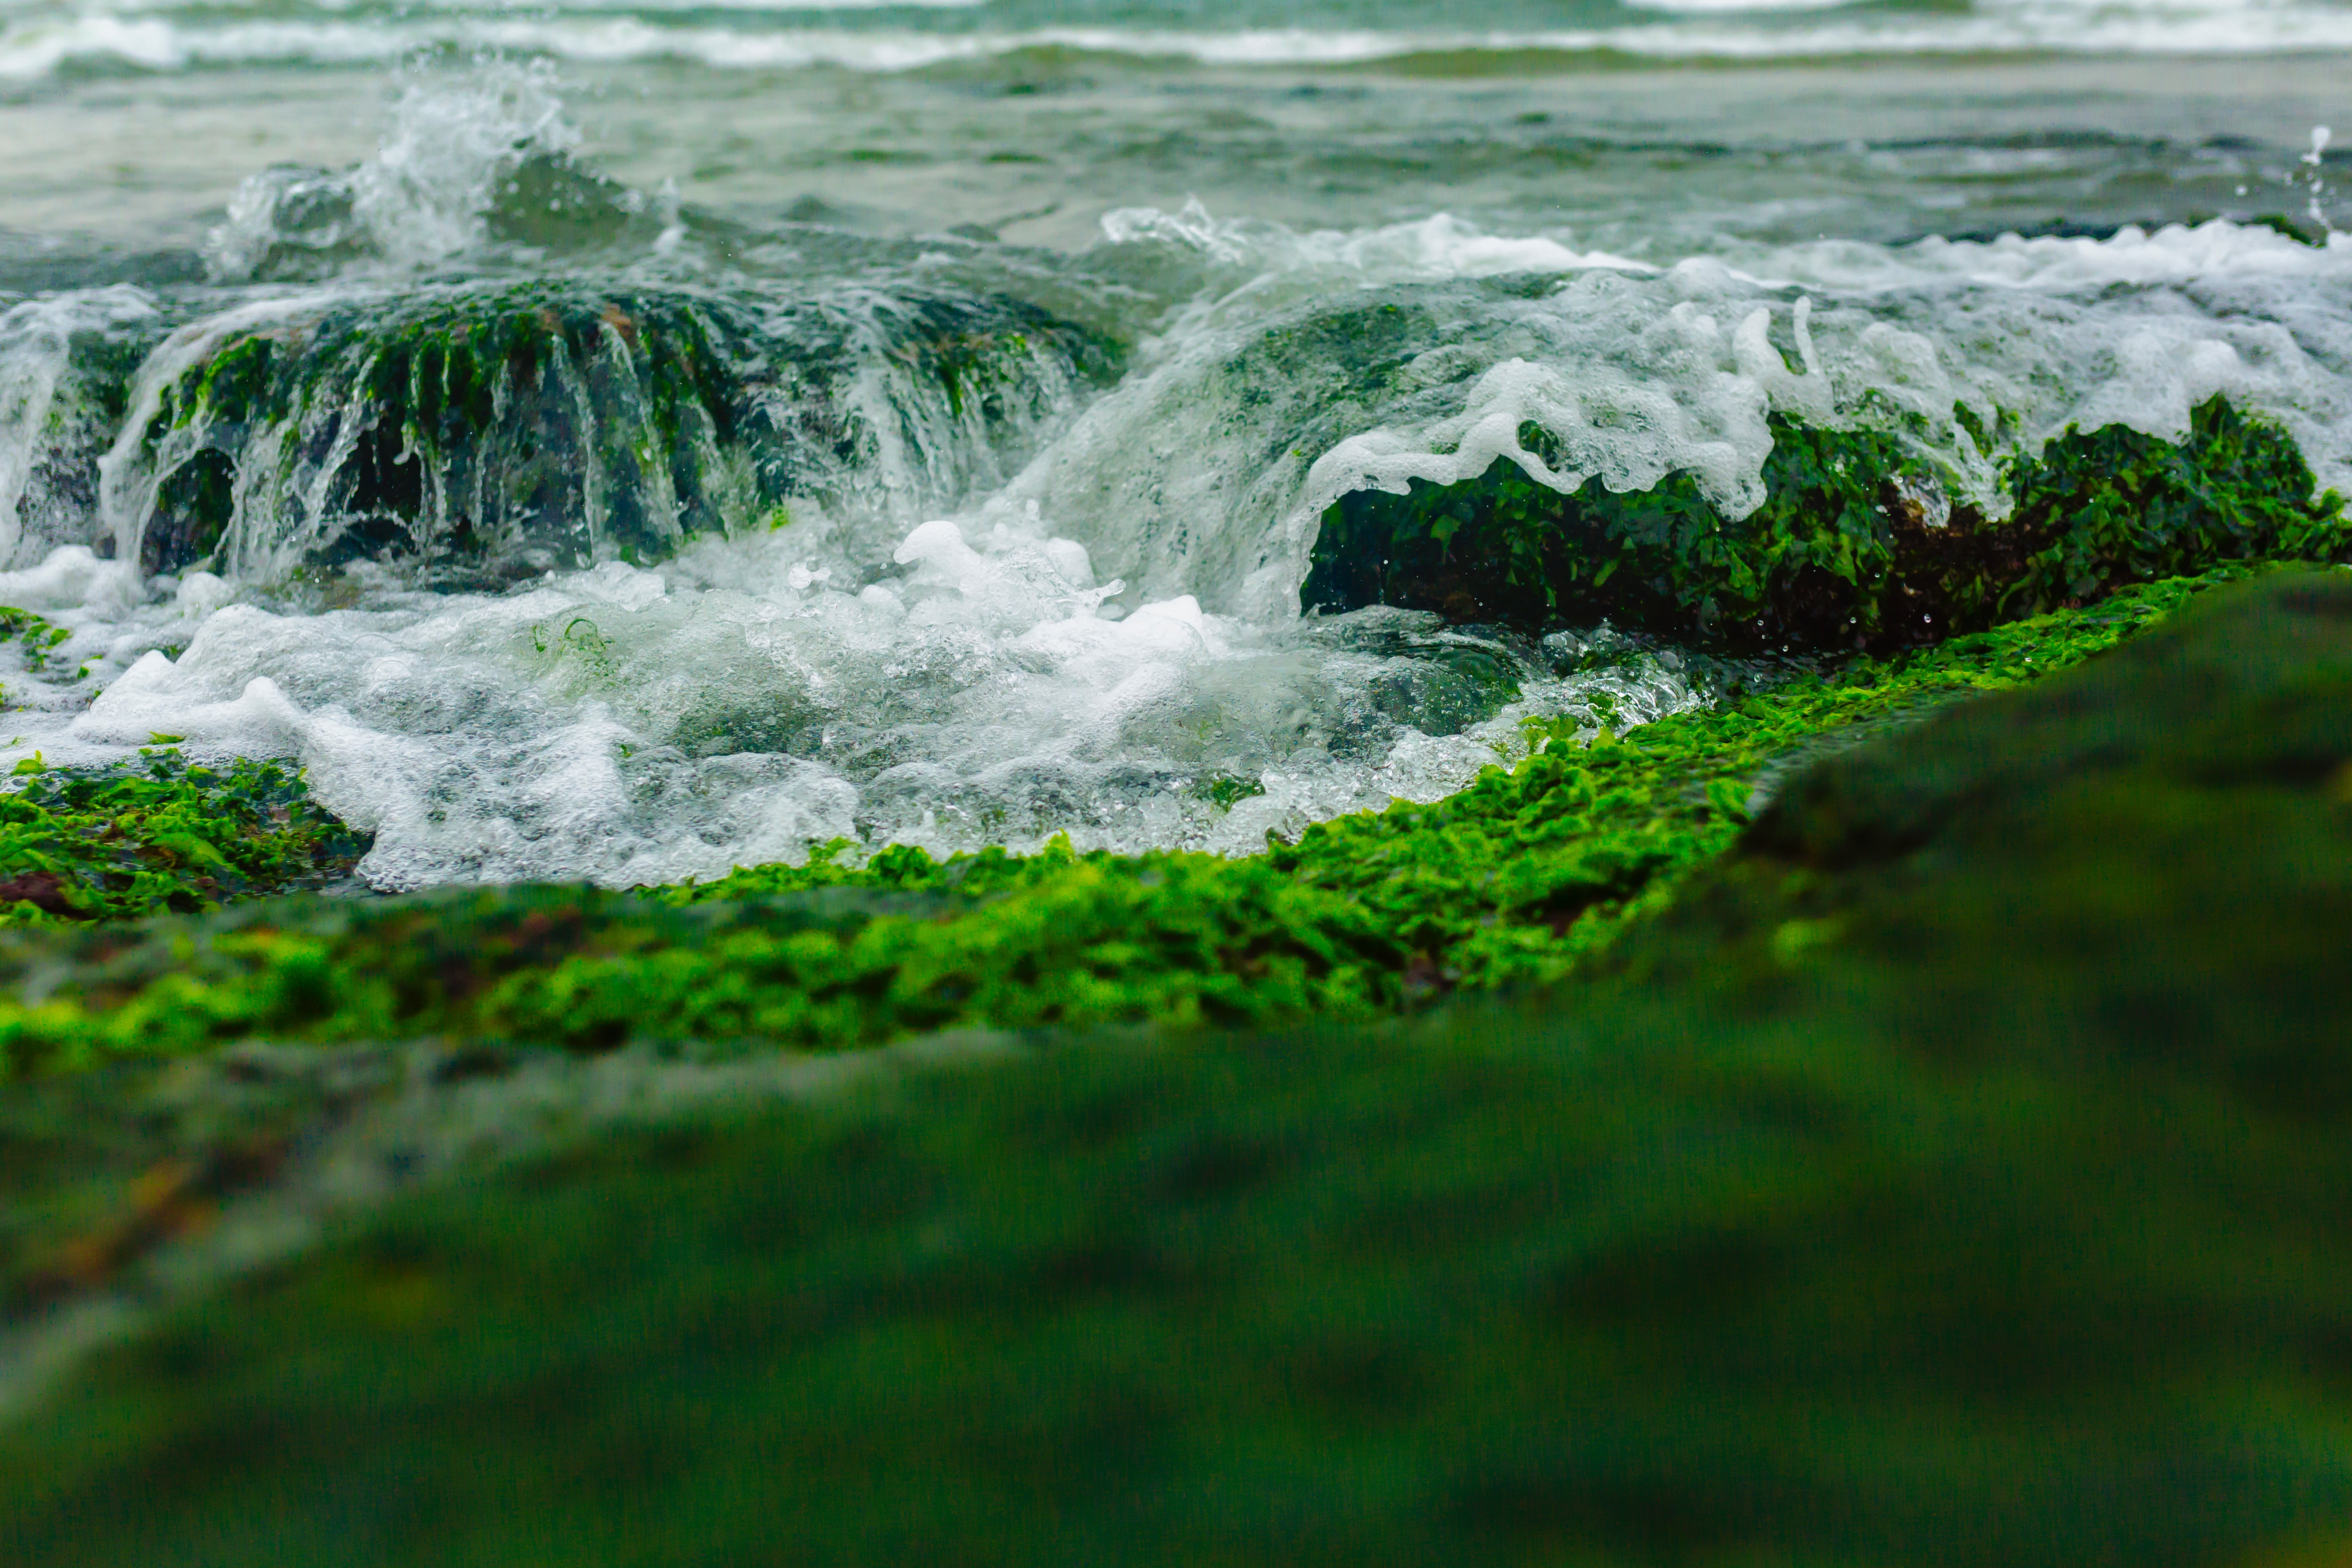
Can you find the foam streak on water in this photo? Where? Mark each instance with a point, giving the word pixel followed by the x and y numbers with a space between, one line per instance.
pixel 50 38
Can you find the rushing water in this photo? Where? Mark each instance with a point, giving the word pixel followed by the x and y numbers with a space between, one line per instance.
pixel 624 438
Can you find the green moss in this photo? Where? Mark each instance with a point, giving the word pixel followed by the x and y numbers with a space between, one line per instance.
pixel 2214 752
pixel 972 369
pixel 483 428
pixel 1966 1192
pixel 1512 881
pixel 34 635
pixel 1224 791
pixel 167 836
pixel 1841 555
pixel 2114 507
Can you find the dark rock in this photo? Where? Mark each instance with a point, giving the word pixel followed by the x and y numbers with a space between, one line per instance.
pixel 1855 545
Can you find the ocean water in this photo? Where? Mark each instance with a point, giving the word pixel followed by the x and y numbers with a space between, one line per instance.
pixel 625 439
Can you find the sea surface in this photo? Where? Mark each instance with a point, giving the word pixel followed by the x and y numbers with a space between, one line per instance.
pixel 623 439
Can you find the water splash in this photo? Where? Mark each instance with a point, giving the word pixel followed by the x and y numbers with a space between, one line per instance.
pixel 2315 182
pixel 425 197
pixel 631 725
pixel 54 409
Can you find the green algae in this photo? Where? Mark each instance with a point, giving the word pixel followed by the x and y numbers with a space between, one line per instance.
pixel 453 425
pixel 167 836
pixel 2003 1230
pixel 34 638
pixel 1842 554
pixel 1513 881
pixel 489 431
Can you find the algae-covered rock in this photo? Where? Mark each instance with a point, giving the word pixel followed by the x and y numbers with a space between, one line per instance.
pixel 2158 845
pixel 1962 1185
pixel 1856 546
pixel 166 835
pixel 501 429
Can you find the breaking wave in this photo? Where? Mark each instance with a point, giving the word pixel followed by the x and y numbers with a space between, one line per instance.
pixel 914 35
pixel 560 530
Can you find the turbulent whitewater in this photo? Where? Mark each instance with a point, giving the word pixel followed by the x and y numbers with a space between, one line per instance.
pixel 566 516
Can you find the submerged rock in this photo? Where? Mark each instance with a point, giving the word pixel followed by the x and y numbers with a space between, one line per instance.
pixel 1954 1177
pixel 482 431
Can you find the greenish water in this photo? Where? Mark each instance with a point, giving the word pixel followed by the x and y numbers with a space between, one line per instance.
pixel 625 441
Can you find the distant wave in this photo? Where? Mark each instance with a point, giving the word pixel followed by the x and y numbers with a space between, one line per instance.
pixel 610 30
pixel 1737 7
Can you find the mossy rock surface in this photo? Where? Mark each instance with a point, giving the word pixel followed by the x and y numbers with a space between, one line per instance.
pixel 166 835
pixel 1854 546
pixel 1955 1176
pixel 495 430
pixel 2180 869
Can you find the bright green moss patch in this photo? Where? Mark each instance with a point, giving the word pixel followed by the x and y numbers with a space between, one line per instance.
pixel 1843 553
pixel 34 635
pixel 1510 881
pixel 1179 939
pixel 165 836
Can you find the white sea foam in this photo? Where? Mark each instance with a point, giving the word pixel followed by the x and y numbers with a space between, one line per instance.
pixel 628 725
pixel 1635 372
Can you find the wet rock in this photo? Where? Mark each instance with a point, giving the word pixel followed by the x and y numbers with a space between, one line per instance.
pixel 1857 545
pixel 488 431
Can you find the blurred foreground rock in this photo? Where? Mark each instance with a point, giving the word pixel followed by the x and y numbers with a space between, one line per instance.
pixel 1957 1175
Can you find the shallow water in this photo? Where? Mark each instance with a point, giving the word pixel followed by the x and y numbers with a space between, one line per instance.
pixel 922 414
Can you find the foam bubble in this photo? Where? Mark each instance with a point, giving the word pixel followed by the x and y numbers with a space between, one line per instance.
pixel 74 578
